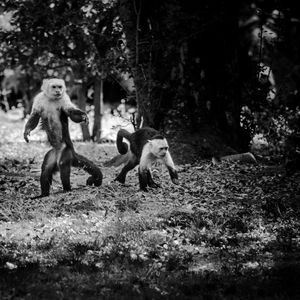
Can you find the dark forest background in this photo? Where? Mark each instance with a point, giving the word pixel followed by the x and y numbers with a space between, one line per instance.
pixel 212 72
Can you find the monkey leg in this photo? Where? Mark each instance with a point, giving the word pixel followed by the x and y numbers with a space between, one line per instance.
pixel 49 166
pixel 82 162
pixel 64 164
pixel 133 162
pixel 150 180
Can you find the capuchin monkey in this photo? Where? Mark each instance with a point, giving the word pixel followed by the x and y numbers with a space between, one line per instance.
pixel 146 147
pixel 53 106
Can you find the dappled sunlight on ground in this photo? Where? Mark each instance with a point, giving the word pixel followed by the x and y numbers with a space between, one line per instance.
pixel 221 219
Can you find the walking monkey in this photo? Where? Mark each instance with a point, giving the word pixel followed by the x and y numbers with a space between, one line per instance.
pixel 147 146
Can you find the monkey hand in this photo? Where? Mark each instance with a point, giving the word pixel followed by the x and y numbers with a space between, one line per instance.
pixel 26 134
pixel 78 116
pixel 85 119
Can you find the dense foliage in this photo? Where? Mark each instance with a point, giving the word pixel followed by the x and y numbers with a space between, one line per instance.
pixel 231 66
pixel 57 34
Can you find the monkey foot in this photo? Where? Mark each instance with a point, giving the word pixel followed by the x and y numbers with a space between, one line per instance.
pixel 39 196
pixel 154 185
pixel 119 180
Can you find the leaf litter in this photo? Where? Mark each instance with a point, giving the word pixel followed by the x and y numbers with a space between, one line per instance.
pixel 239 219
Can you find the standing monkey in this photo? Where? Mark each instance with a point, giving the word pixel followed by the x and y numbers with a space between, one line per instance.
pixel 146 147
pixel 53 106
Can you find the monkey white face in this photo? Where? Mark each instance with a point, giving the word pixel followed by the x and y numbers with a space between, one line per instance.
pixel 53 88
pixel 159 147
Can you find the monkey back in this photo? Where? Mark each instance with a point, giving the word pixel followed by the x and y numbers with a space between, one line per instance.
pixel 139 138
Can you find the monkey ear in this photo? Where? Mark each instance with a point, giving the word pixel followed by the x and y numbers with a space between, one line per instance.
pixel 150 144
pixel 44 85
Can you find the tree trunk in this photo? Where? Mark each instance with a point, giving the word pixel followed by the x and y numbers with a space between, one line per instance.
pixel 98 104
pixel 190 81
pixel 130 12
pixel 81 104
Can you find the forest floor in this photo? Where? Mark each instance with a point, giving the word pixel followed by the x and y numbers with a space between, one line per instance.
pixel 228 231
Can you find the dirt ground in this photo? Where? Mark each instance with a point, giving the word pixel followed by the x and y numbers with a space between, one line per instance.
pixel 228 231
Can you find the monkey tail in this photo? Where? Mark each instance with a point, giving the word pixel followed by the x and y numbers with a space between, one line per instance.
pixel 117 160
pixel 82 162
pixel 122 147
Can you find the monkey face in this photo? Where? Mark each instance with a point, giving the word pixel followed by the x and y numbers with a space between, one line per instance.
pixel 54 88
pixel 159 147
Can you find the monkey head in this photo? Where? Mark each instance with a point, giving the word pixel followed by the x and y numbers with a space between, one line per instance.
pixel 159 146
pixel 54 88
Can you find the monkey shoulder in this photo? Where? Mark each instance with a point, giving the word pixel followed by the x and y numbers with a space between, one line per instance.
pixel 40 101
pixel 147 157
pixel 66 103
pixel 140 138
pixel 65 98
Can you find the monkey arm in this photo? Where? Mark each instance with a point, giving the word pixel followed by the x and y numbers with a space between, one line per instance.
pixel 143 179
pixel 171 168
pixel 65 129
pixel 31 124
pixel 145 164
pixel 74 113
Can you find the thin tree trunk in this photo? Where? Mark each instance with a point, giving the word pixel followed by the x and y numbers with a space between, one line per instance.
pixel 81 104
pixel 98 103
